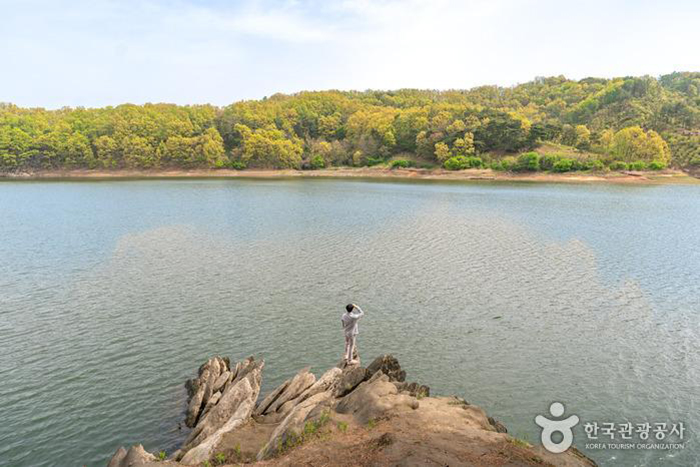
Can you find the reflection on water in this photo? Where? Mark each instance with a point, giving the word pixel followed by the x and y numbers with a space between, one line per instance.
pixel 511 296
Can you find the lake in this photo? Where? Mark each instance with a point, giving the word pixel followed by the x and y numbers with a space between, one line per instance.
pixel 512 296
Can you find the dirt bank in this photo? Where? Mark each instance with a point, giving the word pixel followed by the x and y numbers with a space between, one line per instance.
pixel 639 178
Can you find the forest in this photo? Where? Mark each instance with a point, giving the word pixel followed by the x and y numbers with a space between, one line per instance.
pixel 635 123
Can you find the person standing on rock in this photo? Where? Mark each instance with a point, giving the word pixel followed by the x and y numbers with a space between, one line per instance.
pixel 349 320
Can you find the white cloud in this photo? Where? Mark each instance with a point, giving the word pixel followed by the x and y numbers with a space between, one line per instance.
pixel 86 52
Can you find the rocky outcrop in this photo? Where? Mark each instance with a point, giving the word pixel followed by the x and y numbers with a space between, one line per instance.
pixel 293 423
pixel 136 455
pixel 212 376
pixel 225 410
pixel 290 391
pixel 235 408
pixel 374 398
pixel 415 429
pixel 349 379
pixel 389 365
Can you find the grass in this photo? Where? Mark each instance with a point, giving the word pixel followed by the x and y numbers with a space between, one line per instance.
pixel 519 442
pixel 311 430
pixel 371 423
pixel 343 426
pixel 161 456
pixel 220 458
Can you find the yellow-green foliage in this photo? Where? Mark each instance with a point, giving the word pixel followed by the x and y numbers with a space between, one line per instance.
pixel 627 119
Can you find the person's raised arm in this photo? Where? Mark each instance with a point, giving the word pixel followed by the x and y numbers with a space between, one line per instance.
pixel 359 313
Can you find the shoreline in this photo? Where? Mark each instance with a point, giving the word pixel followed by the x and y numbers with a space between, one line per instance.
pixel 478 175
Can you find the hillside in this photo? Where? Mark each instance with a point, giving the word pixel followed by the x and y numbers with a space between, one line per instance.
pixel 600 124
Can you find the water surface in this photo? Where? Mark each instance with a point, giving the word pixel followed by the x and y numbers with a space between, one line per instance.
pixel 513 296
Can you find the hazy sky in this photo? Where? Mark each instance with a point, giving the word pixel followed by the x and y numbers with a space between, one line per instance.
pixel 99 52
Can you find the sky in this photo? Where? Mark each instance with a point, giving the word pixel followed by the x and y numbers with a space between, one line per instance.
pixel 95 53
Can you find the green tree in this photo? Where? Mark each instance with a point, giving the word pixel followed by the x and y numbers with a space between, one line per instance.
pixel 442 152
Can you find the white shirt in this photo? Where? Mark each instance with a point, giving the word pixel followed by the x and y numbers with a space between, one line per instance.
pixel 349 321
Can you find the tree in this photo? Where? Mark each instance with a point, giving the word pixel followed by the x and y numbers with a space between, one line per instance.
pixel 464 146
pixel 634 144
pixel 269 148
pixel 442 152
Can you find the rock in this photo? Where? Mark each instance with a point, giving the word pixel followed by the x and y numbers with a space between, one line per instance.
pixel 302 381
pixel 372 399
pixel 388 365
pixel 191 385
pixel 221 381
pixel 293 423
pixel 270 398
pixel 208 384
pixel 241 398
pixel 136 455
pixel 200 389
pixel 349 379
pixel 497 426
pixel 116 460
pixel 194 407
pixel 329 380
pixel 229 403
pixel 414 389
pixel 212 402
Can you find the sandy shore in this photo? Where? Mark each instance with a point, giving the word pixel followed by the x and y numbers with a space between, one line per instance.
pixel 662 177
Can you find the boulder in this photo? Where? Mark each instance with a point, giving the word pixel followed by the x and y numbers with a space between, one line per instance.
pixel 212 402
pixel 389 365
pixel 221 381
pixel 191 385
pixel 270 398
pixel 300 383
pixel 201 388
pixel 241 399
pixel 293 423
pixel 497 426
pixel 349 379
pixel 117 458
pixel 236 395
pixel 194 407
pixel 329 380
pixel 414 389
pixel 136 455
pixel 375 398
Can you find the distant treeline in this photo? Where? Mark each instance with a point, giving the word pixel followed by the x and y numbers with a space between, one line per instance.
pixel 633 122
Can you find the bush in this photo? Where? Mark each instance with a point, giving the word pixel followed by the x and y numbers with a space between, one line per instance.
pixel 638 165
pixel 563 165
pixel 237 165
pixel 657 165
pixel 317 162
pixel 374 161
pixel 618 165
pixel 496 165
pixel 547 161
pixel 528 162
pixel 474 162
pixel 401 164
pixel 508 163
pixel 456 163
pixel 597 165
